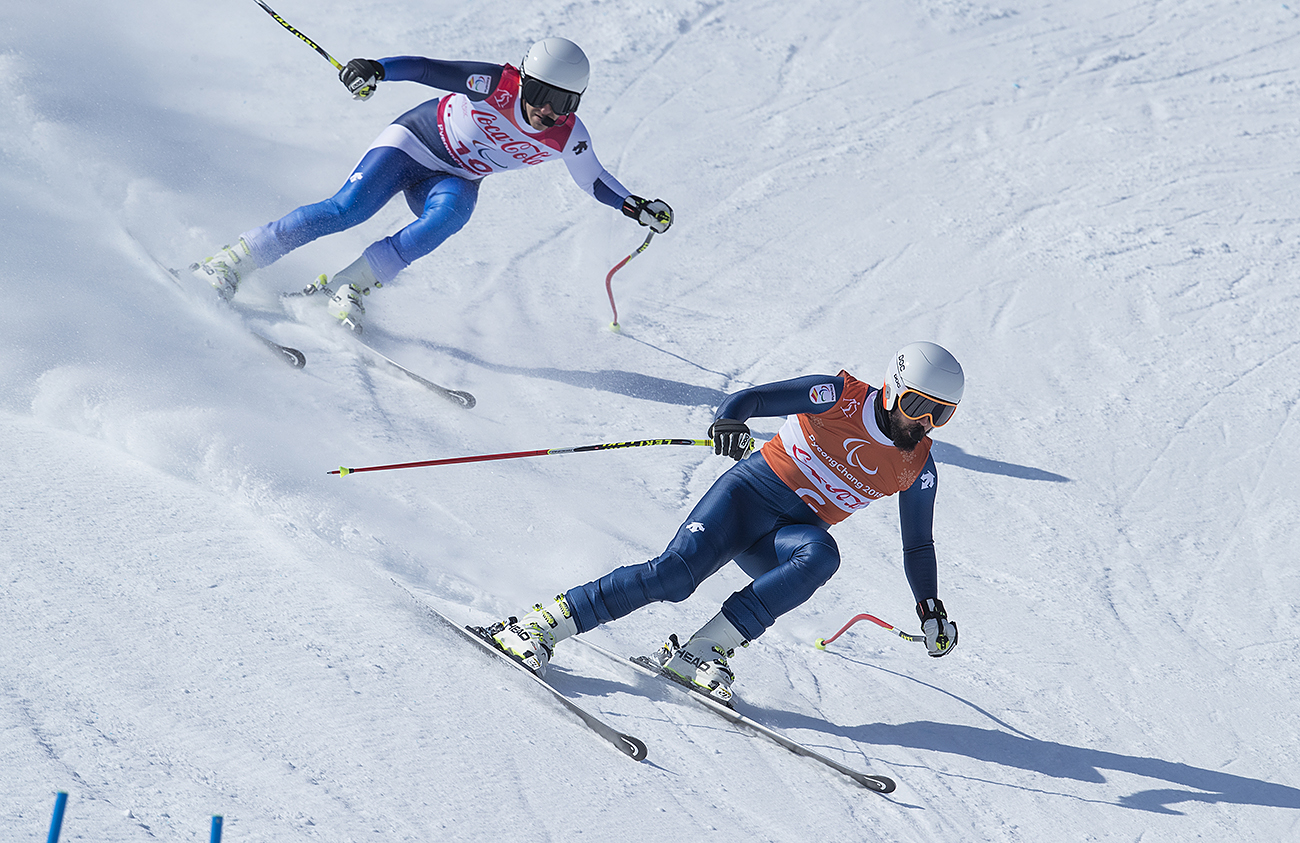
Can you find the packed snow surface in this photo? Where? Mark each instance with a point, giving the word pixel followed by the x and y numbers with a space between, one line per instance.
pixel 1092 204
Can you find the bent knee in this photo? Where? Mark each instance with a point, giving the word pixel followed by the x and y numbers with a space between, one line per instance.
pixel 812 550
pixel 668 579
pixel 449 211
pixel 821 562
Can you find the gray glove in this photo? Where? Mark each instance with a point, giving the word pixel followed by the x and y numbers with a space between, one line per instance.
pixel 940 633
pixel 652 212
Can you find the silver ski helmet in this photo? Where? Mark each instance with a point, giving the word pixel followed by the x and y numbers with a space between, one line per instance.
pixel 555 72
pixel 923 380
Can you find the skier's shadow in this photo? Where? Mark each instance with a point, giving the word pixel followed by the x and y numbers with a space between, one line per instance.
pixel 631 384
pixel 1013 748
pixel 950 454
pixel 664 391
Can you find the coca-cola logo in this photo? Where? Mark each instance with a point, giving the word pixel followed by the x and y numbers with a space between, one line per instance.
pixel 514 146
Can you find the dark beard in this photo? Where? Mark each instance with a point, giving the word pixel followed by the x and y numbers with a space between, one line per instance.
pixel 906 438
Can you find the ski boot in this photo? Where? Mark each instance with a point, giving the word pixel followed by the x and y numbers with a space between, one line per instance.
pixel 701 663
pixel 350 284
pixel 225 269
pixel 532 638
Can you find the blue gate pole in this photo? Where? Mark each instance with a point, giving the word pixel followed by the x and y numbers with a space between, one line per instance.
pixel 216 829
pixel 56 823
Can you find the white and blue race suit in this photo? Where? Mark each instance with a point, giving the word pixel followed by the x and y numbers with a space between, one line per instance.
pixel 436 154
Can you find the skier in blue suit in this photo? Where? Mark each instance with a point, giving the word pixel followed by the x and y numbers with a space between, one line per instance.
pixel 497 118
pixel 844 445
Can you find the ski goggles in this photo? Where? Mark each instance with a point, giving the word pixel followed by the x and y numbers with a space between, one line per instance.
pixel 539 94
pixel 917 405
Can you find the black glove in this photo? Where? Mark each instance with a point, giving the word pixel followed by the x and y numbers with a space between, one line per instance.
pixel 652 212
pixel 730 437
pixel 360 76
pixel 940 633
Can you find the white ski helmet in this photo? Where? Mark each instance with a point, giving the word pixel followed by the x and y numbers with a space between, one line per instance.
pixel 558 62
pixel 927 380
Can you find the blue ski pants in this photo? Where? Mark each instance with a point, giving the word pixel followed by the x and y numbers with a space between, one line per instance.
pixel 442 202
pixel 748 516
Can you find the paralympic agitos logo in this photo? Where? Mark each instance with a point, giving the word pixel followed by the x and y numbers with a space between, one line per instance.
pixel 852 446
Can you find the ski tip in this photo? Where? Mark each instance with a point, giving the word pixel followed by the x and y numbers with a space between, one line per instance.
pixel 293 356
pixel 880 784
pixel 634 747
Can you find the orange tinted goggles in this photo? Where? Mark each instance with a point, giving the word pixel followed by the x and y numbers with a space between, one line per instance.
pixel 917 405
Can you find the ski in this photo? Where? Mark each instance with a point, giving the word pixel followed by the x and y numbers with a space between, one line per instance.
pixel 649 666
pixel 288 354
pixel 627 744
pixel 459 397
pixel 291 355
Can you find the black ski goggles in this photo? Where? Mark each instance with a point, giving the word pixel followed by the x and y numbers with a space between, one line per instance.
pixel 917 405
pixel 539 94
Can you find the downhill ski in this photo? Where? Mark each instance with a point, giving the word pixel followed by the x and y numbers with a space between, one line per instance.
pixel 627 744
pixel 288 354
pixel 458 397
pixel 650 666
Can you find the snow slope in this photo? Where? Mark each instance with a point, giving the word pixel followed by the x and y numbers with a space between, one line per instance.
pixel 1091 204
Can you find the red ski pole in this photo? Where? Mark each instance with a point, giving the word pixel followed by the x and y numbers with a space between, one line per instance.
pixel 541 452
pixel 821 643
pixel 610 277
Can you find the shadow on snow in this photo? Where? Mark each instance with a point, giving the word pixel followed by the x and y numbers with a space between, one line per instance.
pixel 1014 748
pixel 665 391
pixel 952 455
